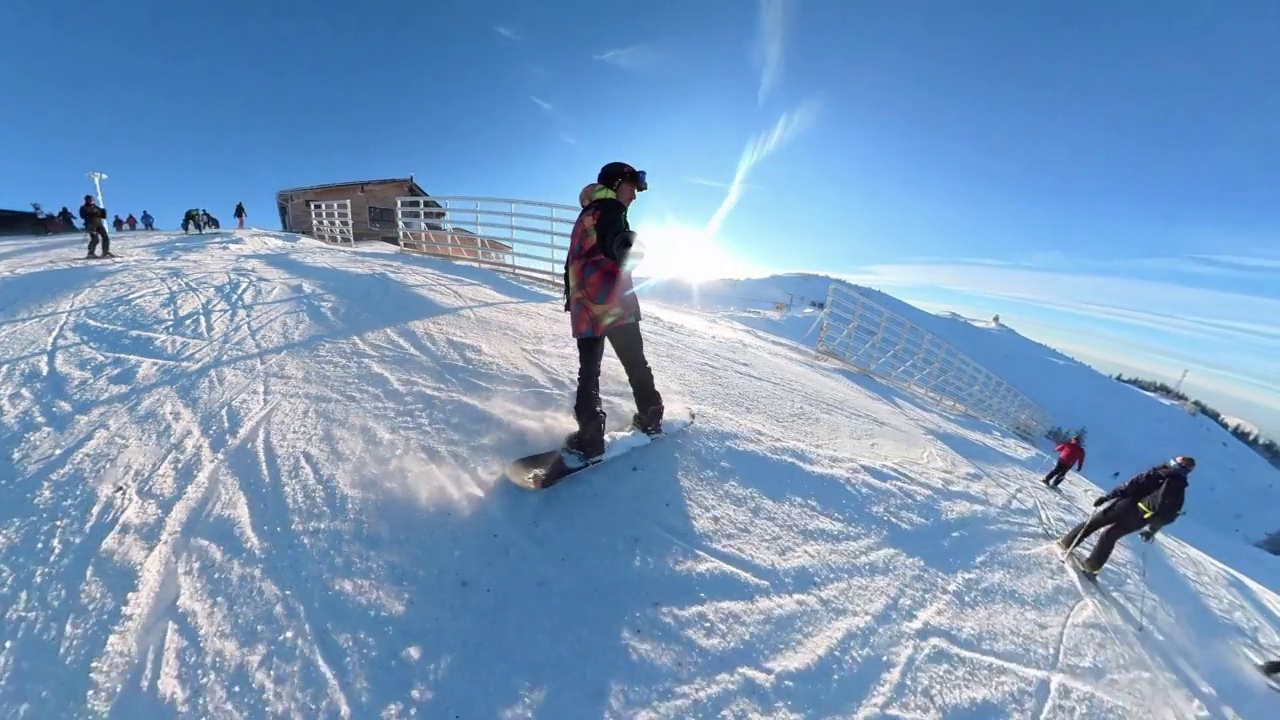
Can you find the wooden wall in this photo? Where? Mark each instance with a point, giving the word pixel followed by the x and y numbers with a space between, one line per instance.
pixel 362 197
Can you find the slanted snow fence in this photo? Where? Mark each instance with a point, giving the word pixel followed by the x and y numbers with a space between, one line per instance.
pixel 331 221
pixel 877 342
pixel 524 237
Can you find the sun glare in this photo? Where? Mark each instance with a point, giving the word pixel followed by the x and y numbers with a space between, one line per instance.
pixel 680 252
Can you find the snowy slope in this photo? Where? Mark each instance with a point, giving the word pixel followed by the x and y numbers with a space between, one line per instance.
pixel 248 475
pixel 1235 491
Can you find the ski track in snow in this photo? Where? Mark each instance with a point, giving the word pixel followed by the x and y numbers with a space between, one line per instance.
pixel 245 474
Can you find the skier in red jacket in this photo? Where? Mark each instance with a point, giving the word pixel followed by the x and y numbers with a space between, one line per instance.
pixel 1069 453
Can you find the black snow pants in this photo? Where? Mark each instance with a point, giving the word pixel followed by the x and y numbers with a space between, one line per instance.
pixel 1057 474
pixel 629 346
pixel 1120 518
pixel 98 230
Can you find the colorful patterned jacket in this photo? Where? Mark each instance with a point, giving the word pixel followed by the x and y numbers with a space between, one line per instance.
pixel 598 291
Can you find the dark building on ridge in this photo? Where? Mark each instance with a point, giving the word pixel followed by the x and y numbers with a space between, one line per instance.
pixel 373 206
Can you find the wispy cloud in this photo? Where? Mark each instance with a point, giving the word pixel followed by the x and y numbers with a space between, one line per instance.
pixel 636 57
pixel 506 32
pixel 770 43
pixel 1226 331
pixel 541 103
pixel 568 138
pixel 1252 263
pixel 760 147
pixel 710 183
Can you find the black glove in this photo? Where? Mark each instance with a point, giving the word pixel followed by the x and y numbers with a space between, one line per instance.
pixel 622 245
pixel 1101 499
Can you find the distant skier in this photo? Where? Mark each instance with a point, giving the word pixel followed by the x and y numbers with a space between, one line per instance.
pixel 1069 453
pixel 66 218
pixel 148 222
pixel 42 220
pixel 602 305
pixel 240 214
pixel 132 222
pixel 95 223
pixel 192 219
pixel 1153 498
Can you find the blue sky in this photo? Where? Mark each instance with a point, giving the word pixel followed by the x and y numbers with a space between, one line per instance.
pixel 1102 175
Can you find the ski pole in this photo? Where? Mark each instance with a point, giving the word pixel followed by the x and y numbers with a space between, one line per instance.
pixel 1142 604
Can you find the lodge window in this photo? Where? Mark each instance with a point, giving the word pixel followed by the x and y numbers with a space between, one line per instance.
pixel 381 216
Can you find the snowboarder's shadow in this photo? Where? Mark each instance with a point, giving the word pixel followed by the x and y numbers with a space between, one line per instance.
pixel 525 601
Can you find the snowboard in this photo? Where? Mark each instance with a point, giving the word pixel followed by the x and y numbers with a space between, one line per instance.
pixel 548 468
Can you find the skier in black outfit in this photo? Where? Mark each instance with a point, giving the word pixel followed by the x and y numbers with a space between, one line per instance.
pixel 1153 498
pixel 95 224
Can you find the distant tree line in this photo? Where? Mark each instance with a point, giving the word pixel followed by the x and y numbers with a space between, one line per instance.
pixel 1060 434
pixel 1264 447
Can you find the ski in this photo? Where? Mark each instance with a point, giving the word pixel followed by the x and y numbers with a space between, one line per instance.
pixel 1078 566
pixel 545 469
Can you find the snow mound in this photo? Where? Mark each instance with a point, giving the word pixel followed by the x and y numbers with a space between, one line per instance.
pixel 245 474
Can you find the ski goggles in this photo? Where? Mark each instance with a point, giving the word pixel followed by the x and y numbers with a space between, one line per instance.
pixel 638 178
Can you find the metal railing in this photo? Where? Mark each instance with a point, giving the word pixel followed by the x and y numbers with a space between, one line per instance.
pixel 331 221
pixel 875 341
pixel 525 237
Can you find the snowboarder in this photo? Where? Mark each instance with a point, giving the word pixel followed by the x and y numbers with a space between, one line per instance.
pixel 1153 498
pixel 240 214
pixel 131 221
pixel 148 222
pixel 1069 453
pixel 94 219
pixel 602 305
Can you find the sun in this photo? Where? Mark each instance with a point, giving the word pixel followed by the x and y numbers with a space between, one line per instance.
pixel 681 252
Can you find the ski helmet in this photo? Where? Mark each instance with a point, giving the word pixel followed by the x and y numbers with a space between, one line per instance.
pixel 616 172
pixel 1185 461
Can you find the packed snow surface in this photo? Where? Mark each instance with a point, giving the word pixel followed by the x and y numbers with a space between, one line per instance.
pixel 245 475
pixel 1235 492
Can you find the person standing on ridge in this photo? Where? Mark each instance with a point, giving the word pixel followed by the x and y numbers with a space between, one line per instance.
pixel 602 305
pixel 1069 453
pixel 94 219
pixel 240 214
pixel 1153 498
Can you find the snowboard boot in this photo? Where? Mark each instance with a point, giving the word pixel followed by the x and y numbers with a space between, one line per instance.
pixel 1087 566
pixel 649 422
pixel 587 441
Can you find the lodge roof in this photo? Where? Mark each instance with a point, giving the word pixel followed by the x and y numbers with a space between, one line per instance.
pixel 414 188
